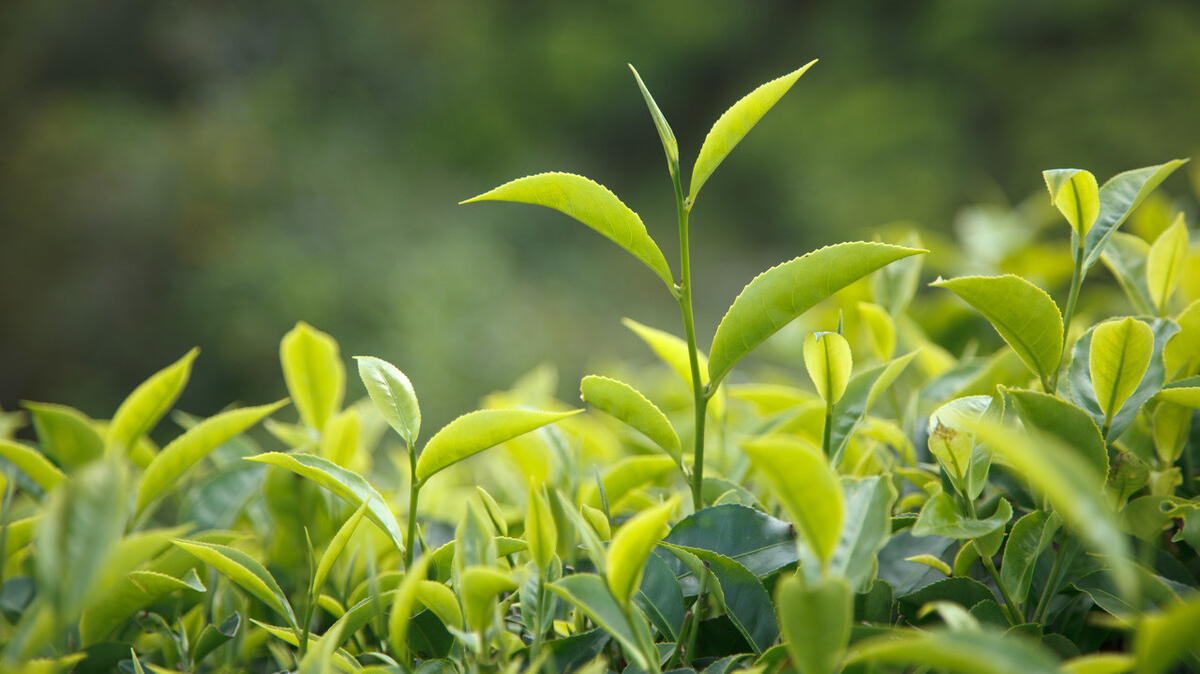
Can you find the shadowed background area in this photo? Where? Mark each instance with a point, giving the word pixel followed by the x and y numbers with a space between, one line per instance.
pixel 179 173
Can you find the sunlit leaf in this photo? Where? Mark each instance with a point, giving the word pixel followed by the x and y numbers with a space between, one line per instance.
pixel 627 404
pixel 593 205
pixel 1069 422
pixel 1076 195
pixel 828 361
pixel 148 403
pixel 881 329
pixel 815 620
pixel 393 395
pixel 1118 359
pixel 314 373
pixel 478 587
pixel 967 652
pixel 1162 638
pixel 403 601
pixel 670 146
pixel 1164 263
pixel 734 124
pixel 1119 197
pixel 783 292
pixel 474 432
pixel 804 483
pixel 941 517
pixel 32 463
pixel 184 451
pixel 1022 313
pixel 244 570
pixel 335 548
pixel 632 544
pixel 66 434
pixel 541 532
pixel 627 475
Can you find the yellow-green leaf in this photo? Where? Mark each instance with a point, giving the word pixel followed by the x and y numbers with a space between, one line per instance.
pixel 314 373
pixel 963 652
pixel 932 562
pixel 828 361
pixel 735 123
pixel 1164 264
pixel 785 291
pixel 1172 428
pixel 393 395
pixel 184 451
pixel 335 548
pixel 626 475
pixel 1181 356
pixel 1022 313
pixel 345 483
pixel 1119 197
pixel 148 403
pixel 1163 637
pixel 627 404
pixel 441 600
pixel 474 432
pixel 65 434
pixel 670 146
pixel 1120 354
pixel 32 463
pixel 593 205
pixel 244 570
pixel 674 352
pixel 805 485
pixel 815 620
pixel 478 587
pixel 881 329
pixel 541 532
pixel 632 544
pixel 1188 396
pixel 1100 663
pixel 1075 193
pixel 404 599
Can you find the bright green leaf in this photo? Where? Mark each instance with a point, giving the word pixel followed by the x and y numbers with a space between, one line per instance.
pixel 1119 356
pixel 1100 663
pixel 632 544
pixel 625 403
pixel 1172 428
pixel 32 463
pixel 670 146
pixel 541 532
pixel 335 548
pixel 1067 421
pixel 474 432
pixel 478 587
pixel 941 517
pixel 804 483
pixel 861 393
pixel 881 329
pixel 626 475
pixel 1188 396
pixel 734 124
pixel 1164 263
pixel 1125 256
pixel 1022 313
pixel 244 570
pixel 1029 538
pixel 393 395
pixel 1162 638
pixel 593 205
pixel 441 600
pixel 866 528
pixel 815 620
pixel 345 483
pixel 1181 356
pixel 314 373
pixel 966 652
pixel 66 434
pixel 148 403
pixel 674 352
pixel 785 291
pixel 590 593
pixel 1076 195
pixel 1119 197
pixel 403 600
pixel 828 361
pixel 184 451
pixel 934 562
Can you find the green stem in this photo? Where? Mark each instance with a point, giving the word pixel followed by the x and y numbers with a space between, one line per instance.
pixel 1010 604
pixel 694 625
pixel 1060 562
pixel 414 490
pixel 1076 283
pixel 827 437
pixel 536 649
pixel 689 328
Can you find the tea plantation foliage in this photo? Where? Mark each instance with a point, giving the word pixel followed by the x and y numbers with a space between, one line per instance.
pixel 856 499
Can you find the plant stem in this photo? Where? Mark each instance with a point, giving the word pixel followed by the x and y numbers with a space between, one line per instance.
pixel 414 489
pixel 536 649
pixel 1072 298
pixel 1010 604
pixel 693 627
pixel 1056 571
pixel 827 436
pixel 689 328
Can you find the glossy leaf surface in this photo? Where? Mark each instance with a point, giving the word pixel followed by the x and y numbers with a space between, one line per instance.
pixel 244 570
pixel 783 292
pixel 754 539
pixel 148 403
pixel 593 205
pixel 393 395
pixel 1076 195
pixel 1119 196
pixel 474 432
pixel 1118 359
pixel 1066 421
pixel 741 595
pixel 828 361
pixel 314 373
pixel 670 146
pixel 625 403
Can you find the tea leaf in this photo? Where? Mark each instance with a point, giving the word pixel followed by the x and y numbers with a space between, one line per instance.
pixel 941 517
pixel 1125 256
pixel 1162 638
pixel 541 532
pixel 478 587
pixel 881 329
pixel 402 602
pixel 735 123
pixel 314 373
pixel 802 480
pixel 335 548
pixel 862 391
pixel 1119 197
pixel 1064 420
pixel 631 545
pixel 625 403
pixel 474 432
pixel 591 595
pixel 393 395
pixel 148 403
pixel 441 600
pixel 1172 427
pixel 1075 194
pixel 1022 313
pixel 593 205
pixel 1164 263
pixel 968 652
pixel 752 538
pixel 345 483
pixel 674 352
pixel 828 361
pixel 1181 356
pixel 866 528
pixel 670 146
pixel 660 597
pixel 816 622
pixel 32 463
pixel 1029 538
pixel 66 434
pixel 1187 396
pixel 1118 360
pixel 184 451
pixel 244 570
pixel 740 594
pixel 214 636
pixel 783 292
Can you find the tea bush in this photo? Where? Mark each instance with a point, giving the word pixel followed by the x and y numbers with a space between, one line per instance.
pixel 858 498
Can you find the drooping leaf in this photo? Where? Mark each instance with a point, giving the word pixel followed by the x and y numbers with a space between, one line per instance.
pixel 1029 538
pixel 816 622
pixel 966 652
pixel 393 395
pixel 1076 195
pixel 1119 197
pixel 593 205
pixel 345 483
pixel 314 373
pixel 184 451
pixel 148 403
pixel 828 361
pixel 1024 315
pixel 1067 421
pixel 804 483
pixel 740 594
pixel 674 352
pixel 670 146
pixel 941 517
pixel 734 124
pixel 1118 359
pixel 589 593
pixel 65 434
pixel 625 403
pixel 1164 263
pixel 474 432
pixel 244 570
pixel 782 293
pixel 632 544
pixel 32 463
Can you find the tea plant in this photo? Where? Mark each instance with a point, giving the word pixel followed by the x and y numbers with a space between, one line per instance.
pixel 860 500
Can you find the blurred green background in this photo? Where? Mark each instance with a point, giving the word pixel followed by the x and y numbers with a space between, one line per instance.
pixel 207 173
